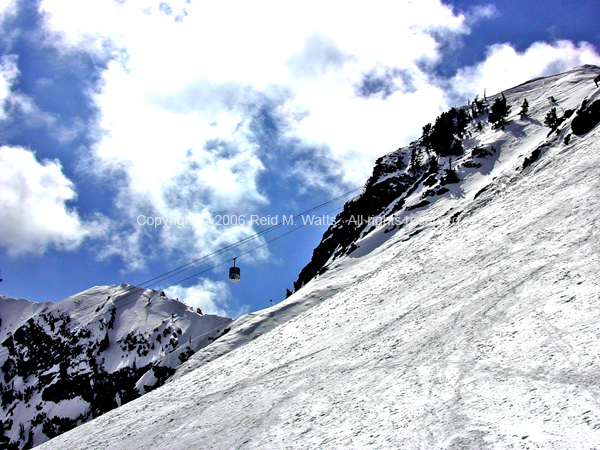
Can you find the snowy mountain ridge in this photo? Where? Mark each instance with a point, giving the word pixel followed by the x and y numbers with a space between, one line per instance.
pixel 64 363
pixel 406 179
pixel 471 324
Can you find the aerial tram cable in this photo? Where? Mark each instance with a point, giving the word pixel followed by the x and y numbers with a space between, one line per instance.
pixel 205 258
pixel 239 243
pixel 198 261
pixel 237 257
pixel 242 254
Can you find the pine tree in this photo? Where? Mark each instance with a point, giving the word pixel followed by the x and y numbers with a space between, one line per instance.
pixel 524 108
pixel 499 112
pixel 551 119
pixel 462 120
pixel 474 112
pixel 478 106
pixel 426 136
pixel 442 134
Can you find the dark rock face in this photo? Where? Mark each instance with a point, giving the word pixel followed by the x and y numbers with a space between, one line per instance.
pixel 397 176
pixel 393 180
pixel 586 118
pixel 385 185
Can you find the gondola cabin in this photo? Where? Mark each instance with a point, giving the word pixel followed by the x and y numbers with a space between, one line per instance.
pixel 234 273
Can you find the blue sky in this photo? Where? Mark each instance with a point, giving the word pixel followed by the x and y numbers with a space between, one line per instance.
pixel 113 110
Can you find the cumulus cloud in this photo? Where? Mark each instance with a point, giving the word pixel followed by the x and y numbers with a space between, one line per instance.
pixel 191 89
pixel 34 211
pixel 186 81
pixel 505 67
pixel 210 296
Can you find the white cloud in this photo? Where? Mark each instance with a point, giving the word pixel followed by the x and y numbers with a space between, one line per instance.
pixel 210 296
pixel 482 12
pixel 178 103
pixel 7 8
pixel 505 67
pixel 34 212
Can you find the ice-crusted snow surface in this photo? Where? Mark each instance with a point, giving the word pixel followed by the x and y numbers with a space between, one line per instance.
pixel 64 363
pixel 475 325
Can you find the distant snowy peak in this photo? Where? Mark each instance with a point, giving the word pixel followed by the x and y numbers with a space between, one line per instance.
pixel 466 150
pixel 90 352
pixel 14 312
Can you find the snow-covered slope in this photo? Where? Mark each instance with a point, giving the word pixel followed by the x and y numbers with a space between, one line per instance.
pixel 67 362
pixel 470 321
